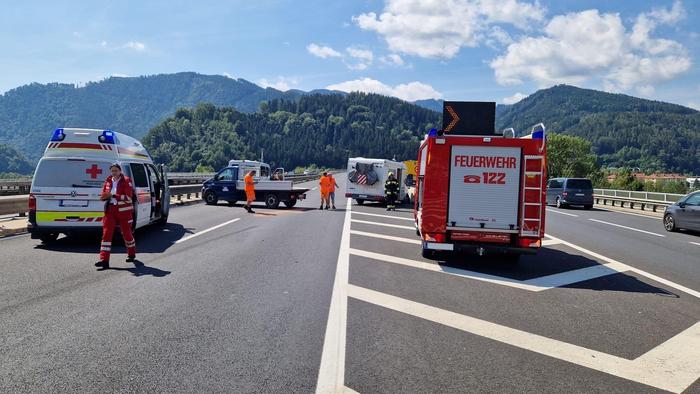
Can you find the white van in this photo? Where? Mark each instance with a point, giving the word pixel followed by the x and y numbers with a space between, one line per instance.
pixel 366 178
pixel 65 192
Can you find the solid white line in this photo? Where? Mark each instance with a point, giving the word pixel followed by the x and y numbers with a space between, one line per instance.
pixel 387 237
pixel 630 213
pixel 549 242
pixel 671 366
pixel 628 228
pixel 562 213
pixel 695 243
pixel 331 372
pixel 383 216
pixel 384 224
pixel 315 188
pixel 625 267
pixel 206 231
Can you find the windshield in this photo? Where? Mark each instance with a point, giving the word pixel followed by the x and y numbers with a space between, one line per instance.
pixel 71 173
pixel 579 184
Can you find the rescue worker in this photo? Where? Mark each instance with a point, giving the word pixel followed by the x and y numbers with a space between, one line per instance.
pixel 331 192
pixel 116 193
pixel 249 191
pixel 391 192
pixel 325 187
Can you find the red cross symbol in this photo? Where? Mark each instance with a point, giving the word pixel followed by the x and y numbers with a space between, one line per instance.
pixel 93 171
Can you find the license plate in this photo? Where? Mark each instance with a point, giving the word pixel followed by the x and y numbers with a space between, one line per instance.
pixel 580 194
pixel 74 203
pixel 362 196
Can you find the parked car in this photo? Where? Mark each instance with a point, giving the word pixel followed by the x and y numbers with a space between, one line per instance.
pixel 564 192
pixel 684 214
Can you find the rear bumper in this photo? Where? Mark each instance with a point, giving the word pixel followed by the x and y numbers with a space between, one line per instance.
pixel 577 201
pixel 365 197
pixel 36 231
pixel 477 248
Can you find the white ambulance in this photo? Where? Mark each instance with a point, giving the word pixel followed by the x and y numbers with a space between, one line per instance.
pixel 65 192
pixel 366 178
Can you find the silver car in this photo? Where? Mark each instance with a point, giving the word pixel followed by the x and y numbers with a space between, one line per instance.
pixel 684 214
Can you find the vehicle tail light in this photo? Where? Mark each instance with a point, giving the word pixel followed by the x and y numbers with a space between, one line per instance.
pixel 435 237
pixel 32 202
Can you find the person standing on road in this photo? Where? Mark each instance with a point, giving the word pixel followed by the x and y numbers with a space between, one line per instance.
pixel 391 192
pixel 249 191
pixel 116 193
pixel 331 192
pixel 325 187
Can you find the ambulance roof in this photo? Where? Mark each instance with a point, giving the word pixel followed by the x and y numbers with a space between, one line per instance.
pixel 96 144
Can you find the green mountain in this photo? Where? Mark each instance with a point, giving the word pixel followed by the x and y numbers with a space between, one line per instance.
pixel 12 161
pixel 321 129
pixel 624 130
pixel 29 114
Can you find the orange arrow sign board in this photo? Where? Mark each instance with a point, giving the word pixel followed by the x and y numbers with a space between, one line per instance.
pixel 455 118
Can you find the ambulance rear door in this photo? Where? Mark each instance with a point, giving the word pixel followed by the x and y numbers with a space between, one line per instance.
pixel 484 188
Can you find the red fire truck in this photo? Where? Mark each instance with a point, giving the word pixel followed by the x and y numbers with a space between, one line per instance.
pixel 481 194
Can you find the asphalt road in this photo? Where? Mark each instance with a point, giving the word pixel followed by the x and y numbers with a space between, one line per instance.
pixel 265 302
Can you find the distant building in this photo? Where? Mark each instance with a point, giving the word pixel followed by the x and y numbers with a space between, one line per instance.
pixel 655 177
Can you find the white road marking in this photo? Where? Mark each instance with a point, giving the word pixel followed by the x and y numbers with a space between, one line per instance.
pixel 695 243
pixel 383 216
pixel 187 238
pixel 627 228
pixel 562 213
pixel 549 242
pixel 387 237
pixel 633 214
pixel 348 390
pixel 536 284
pixel 670 366
pixel 384 224
pixel 314 188
pixel 331 372
pixel 651 276
pixel 13 236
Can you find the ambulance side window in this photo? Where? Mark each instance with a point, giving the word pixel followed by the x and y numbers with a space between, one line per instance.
pixel 140 179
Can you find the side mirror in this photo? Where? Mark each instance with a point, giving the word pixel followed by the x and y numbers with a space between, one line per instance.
pixel 216 177
pixel 681 204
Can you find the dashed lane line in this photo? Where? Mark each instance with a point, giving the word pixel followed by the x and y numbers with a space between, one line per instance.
pixel 387 237
pixel 695 243
pixel 384 224
pixel 383 216
pixel 628 228
pixel 189 237
pixel 670 366
pixel 562 213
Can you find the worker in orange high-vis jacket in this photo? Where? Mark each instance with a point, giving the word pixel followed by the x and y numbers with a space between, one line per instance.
pixel 249 191
pixel 117 192
pixel 325 186
pixel 331 191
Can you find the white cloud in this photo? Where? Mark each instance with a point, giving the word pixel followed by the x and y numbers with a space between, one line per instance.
pixel 411 91
pixel 588 46
pixel 135 45
pixel 282 83
pixel 392 59
pixel 322 51
pixel 360 59
pixel 675 14
pixel 227 75
pixel 103 43
pixel 694 105
pixel 514 98
pixel 439 28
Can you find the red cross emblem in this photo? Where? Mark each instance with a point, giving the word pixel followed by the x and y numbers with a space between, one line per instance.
pixel 93 171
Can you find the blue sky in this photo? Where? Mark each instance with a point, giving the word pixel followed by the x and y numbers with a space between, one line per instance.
pixel 496 50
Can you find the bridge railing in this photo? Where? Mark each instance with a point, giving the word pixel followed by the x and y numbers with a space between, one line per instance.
pixel 634 199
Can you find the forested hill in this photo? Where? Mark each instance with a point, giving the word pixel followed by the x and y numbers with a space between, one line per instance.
pixel 29 114
pixel 12 161
pixel 320 129
pixel 624 130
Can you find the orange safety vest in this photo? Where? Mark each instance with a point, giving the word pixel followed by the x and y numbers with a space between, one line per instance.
pixel 331 186
pixel 249 183
pixel 325 185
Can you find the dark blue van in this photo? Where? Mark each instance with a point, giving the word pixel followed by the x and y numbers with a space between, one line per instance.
pixel 564 192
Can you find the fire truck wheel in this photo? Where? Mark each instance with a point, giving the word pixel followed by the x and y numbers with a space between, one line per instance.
pixel 360 202
pixel 48 238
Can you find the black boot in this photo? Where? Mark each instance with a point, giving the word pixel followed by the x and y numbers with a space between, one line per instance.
pixel 102 264
pixel 131 258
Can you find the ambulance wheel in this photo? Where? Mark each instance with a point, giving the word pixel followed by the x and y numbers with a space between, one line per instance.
pixel 272 201
pixel 163 220
pixel 290 203
pixel 48 238
pixel 210 198
pixel 360 202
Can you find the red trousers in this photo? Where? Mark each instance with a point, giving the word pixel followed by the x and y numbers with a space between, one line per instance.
pixel 113 217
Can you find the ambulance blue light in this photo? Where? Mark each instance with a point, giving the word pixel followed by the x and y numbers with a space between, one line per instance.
pixel 107 137
pixel 58 135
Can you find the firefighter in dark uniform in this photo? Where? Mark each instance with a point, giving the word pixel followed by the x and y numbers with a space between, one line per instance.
pixel 117 192
pixel 391 192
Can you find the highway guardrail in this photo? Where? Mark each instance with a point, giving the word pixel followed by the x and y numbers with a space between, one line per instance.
pixel 633 199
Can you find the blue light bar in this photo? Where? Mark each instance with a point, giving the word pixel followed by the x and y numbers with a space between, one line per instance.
pixel 58 135
pixel 432 133
pixel 107 137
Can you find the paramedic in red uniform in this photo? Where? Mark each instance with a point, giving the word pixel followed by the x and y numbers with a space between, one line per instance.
pixel 116 192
